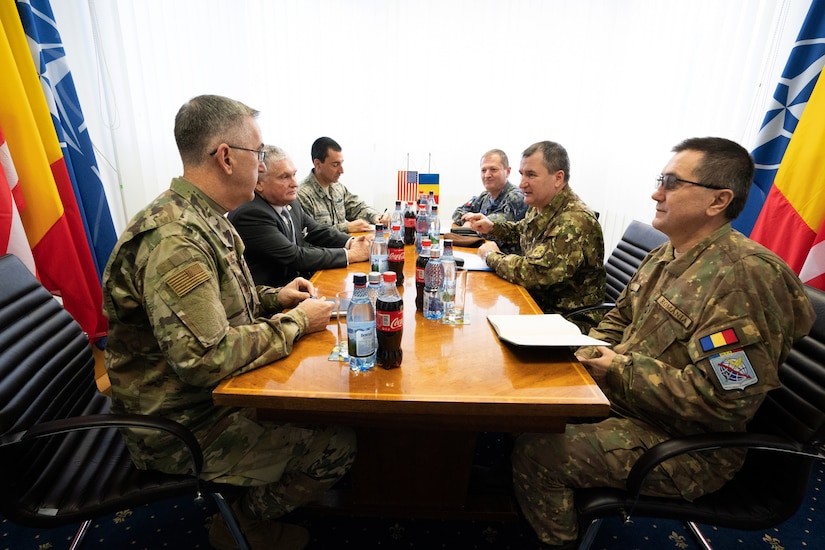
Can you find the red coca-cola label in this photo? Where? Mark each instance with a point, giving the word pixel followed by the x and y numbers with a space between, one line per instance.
pixel 389 321
pixel 396 255
pixel 419 274
pixel 409 221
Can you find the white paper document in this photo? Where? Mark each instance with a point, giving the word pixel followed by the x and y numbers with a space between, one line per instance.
pixel 471 261
pixel 540 330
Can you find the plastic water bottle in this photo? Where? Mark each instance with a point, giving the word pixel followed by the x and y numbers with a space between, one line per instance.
pixel 378 251
pixel 420 266
pixel 449 265
pixel 422 226
pixel 433 281
pixel 389 324
pixel 397 216
pixel 434 229
pixel 374 286
pixel 362 342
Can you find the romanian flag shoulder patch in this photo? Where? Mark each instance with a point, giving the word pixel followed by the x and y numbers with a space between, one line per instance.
pixel 718 339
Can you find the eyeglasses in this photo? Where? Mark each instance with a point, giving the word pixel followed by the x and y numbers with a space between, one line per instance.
pixel 669 181
pixel 261 152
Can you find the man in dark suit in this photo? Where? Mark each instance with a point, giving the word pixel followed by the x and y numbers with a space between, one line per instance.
pixel 282 241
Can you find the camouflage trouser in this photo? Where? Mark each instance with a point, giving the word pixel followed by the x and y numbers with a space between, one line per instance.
pixel 547 467
pixel 285 465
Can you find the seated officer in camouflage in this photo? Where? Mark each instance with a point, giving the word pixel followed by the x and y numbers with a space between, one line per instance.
pixel 501 201
pixel 184 314
pixel 327 200
pixel 562 248
pixel 697 337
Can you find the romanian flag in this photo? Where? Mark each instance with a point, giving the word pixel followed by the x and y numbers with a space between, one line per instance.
pixel 49 211
pixel 718 339
pixel 427 183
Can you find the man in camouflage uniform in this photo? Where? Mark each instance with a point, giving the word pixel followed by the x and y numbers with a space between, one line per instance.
pixel 697 337
pixel 501 201
pixel 328 200
pixel 562 248
pixel 184 314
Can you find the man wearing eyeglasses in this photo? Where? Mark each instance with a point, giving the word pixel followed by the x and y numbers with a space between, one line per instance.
pixel 184 314
pixel 282 241
pixel 327 200
pixel 561 246
pixel 697 338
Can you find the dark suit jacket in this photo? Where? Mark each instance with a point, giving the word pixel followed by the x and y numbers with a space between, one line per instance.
pixel 272 257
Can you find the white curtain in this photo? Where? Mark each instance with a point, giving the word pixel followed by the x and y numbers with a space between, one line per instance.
pixel 430 85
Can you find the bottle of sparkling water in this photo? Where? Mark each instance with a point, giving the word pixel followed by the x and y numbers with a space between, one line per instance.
pixel 374 286
pixel 449 265
pixel 434 229
pixel 433 281
pixel 362 342
pixel 379 260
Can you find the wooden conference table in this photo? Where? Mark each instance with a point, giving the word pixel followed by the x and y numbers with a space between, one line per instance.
pixel 417 425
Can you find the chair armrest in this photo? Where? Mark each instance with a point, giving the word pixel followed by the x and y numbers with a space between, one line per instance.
pixel 108 421
pixel 706 442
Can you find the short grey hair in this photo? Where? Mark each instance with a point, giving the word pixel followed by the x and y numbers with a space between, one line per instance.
pixel 205 121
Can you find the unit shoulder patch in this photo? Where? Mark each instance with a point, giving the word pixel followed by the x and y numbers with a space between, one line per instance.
pixel 733 369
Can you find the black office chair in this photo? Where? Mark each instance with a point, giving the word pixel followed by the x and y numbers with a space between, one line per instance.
pixel 636 242
pixel 62 459
pixel 783 441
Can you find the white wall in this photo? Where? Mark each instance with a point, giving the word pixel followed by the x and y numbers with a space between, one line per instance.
pixel 617 82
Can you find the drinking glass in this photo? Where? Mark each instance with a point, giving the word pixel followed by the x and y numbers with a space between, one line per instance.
pixel 341 302
pixel 455 314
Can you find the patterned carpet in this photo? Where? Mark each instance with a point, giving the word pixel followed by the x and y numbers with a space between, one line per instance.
pixel 180 524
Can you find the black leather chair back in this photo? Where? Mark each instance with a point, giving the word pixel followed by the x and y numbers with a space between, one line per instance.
pixel 47 374
pixel 638 239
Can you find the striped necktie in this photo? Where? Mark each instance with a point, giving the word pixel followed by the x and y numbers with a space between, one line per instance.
pixel 288 221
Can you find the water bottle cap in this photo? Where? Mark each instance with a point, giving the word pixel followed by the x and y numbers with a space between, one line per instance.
pixel 359 279
pixel 426 242
pixel 375 277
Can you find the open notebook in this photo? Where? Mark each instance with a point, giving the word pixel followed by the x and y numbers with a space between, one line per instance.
pixel 540 330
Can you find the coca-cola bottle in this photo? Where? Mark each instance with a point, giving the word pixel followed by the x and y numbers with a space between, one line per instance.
pixel 420 264
pixel 409 224
pixel 395 254
pixel 389 324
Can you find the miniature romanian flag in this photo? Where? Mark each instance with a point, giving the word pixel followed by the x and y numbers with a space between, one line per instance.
pixel 718 339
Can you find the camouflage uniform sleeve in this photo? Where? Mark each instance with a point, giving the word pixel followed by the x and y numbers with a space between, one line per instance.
pixel 679 378
pixel 269 299
pixel 472 205
pixel 196 330
pixel 357 209
pixel 516 204
pixel 312 206
pixel 554 259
